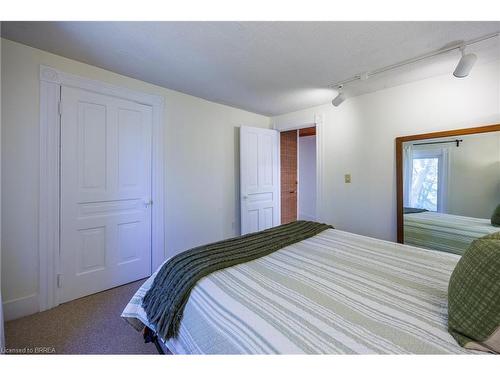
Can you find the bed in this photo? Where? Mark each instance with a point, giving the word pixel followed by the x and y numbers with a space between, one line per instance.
pixel 333 293
pixel 444 232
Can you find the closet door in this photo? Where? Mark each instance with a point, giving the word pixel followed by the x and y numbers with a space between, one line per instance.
pixel 105 193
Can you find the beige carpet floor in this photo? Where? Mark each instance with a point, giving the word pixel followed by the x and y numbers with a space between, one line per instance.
pixel 89 325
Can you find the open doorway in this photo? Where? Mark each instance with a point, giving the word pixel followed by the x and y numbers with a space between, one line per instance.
pixel 298 174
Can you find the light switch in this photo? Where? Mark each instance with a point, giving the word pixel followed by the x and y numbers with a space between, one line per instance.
pixel 347 178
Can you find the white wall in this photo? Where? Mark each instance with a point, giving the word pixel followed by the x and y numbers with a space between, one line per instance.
pixel 359 139
pixel 202 167
pixel 474 176
pixel 307 178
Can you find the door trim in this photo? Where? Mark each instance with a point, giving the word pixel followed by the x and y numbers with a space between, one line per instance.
pixel 51 81
pixel 317 121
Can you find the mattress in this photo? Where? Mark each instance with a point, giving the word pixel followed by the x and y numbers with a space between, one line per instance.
pixel 334 293
pixel 444 232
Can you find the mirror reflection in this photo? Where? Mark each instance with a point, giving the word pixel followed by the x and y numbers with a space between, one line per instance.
pixel 451 189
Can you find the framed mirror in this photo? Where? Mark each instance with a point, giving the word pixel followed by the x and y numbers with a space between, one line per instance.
pixel 448 187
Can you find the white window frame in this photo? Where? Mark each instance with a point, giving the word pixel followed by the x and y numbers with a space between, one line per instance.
pixel 442 155
pixel 51 81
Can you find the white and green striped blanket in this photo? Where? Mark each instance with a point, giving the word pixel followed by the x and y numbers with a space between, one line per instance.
pixel 333 293
pixel 444 232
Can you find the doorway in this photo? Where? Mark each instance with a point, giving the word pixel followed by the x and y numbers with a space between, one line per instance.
pixel 298 174
pixel 114 181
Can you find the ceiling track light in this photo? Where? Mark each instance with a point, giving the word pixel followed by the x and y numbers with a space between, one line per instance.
pixel 339 99
pixel 465 64
pixel 462 69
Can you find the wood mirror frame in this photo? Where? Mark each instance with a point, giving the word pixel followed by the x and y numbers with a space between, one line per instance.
pixel 399 162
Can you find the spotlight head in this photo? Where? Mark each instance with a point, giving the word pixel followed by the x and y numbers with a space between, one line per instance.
pixel 339 99
pixel 465 64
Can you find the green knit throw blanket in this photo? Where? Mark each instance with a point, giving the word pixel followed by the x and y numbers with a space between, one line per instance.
pixel 165 300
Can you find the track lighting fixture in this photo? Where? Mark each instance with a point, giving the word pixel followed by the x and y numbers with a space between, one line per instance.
pixel 462 69
pixel 339 99
pixel 465 64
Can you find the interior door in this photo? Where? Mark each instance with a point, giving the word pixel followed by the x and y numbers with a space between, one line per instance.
pixel 288 160
pixel 259 179
pixel 105 193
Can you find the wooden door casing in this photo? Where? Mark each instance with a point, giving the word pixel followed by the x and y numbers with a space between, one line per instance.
pixel 288 161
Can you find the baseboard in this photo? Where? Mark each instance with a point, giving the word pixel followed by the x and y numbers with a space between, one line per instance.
pixel 19 307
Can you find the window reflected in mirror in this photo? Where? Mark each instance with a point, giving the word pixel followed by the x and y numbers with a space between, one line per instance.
pixel 451 187
pixel 424 183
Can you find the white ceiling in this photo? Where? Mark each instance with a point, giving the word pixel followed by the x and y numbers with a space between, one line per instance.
pixel 264 67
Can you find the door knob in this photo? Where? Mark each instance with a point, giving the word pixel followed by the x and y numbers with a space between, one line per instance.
pixel 148 202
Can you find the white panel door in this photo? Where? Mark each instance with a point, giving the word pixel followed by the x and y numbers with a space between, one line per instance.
pixel 105 193
pixel 259 179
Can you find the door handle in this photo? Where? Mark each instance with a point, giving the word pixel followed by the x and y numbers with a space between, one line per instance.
pixel 148 202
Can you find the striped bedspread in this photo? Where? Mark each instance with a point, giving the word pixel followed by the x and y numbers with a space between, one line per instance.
pixel 333 293
pixel 444 232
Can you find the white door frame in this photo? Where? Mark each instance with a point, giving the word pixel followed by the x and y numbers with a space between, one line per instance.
pixel 317 121
pixel 51 81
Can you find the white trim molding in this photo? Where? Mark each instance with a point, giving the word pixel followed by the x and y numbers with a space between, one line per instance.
pixel 51 81
pixel 48 211
pixel 19 307
pixel 319 121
